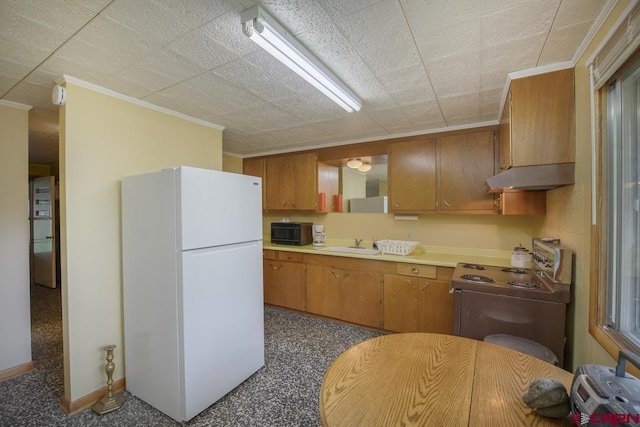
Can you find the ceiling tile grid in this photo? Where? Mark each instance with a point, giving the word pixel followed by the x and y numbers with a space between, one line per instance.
pixel 417 65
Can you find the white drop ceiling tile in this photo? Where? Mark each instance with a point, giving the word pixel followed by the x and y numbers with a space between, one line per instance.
pixel 425 114
pixel 120 85
pixel 227 30
pixel 340 8
pixel 159 70
pixel 12 69
pixel 412 96
pixel 201 50
pixel 366 28
pixel 562 43
pixel 91 56
pixel 63 16
pixel 574 12
pixel 57 65
pixel 266 117
pixel 194 13
pixel 407 78
pixel 461 121
pixel 490 102
pixel 517 23
pixel 454 40
pixel 514 55
pixel 390 119
pixel 49 118
pixel 121 42
pixel 493 79
pixel 393 56
pixel 338 55
pixel 489 7
pixel 93 6
pixel 319 109
pixel 455 107
pixel 7 83
pixel 28 32
pixel 211 85
pixel 353 124
pixel 164 100
pixel 455 74
pixel 30 94
pixel 261 84
pixel 206 101
pixel 297 16
pixel 146 19
pixel 439 14
pixel 27 54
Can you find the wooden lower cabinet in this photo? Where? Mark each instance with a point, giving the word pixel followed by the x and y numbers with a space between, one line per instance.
pixel 416 304
pixel 346 289
pixel 284 279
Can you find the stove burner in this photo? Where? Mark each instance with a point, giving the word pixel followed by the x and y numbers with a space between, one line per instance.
pixel 474 266
pixel 522 284
pixel 515 270
pixel 476 278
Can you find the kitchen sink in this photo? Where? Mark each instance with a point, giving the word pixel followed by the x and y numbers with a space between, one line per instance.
pixel 349 250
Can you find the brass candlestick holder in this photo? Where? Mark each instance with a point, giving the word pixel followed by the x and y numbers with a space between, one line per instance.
pixel 111 401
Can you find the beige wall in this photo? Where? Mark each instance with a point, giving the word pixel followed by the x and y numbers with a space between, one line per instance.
pixel 494 232
pixel 103 139
pixel 569 213
pixel 231 163
pixel 15 321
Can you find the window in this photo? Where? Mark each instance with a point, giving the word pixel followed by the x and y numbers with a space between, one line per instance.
pixel 621 203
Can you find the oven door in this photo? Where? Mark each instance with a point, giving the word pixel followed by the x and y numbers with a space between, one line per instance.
pixel 480 314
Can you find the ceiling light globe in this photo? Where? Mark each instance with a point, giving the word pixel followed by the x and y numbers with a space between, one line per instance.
pixel 365 167
pixel 354 163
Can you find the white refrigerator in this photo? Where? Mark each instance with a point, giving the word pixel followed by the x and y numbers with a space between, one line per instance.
pixel 192 286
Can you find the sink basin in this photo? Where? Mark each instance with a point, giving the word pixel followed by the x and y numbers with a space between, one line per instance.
pixel 347 250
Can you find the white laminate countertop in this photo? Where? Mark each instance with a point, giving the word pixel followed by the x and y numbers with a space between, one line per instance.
pixel 442 256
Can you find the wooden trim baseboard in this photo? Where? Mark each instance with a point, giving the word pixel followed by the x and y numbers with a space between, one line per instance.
pixel 17 370
pixel 87 401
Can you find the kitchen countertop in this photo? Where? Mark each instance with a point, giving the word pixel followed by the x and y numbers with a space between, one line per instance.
pixel 443 256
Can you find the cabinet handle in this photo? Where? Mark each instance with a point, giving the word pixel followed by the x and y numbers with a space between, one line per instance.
pixel 336 275
pixel 410 284
pixel 289 256
pixel 425 286
pixel 275 267
pixel 415 270
pixel 447 204
pixel 396 204
pixel 345 275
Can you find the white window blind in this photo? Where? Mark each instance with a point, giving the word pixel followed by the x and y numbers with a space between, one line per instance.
pixel 617 47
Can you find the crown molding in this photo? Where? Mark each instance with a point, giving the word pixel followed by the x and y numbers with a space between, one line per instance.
pixel 69 79
pixel 15 105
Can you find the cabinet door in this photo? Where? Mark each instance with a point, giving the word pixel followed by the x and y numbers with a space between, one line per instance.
pixel 304 172
pixel 412 176
pixel 279 174
pixel 284 284
pixel 353 296
pixel 542 119
pixel 466 161
pixel 400 303
pixel 505 135
pixel 436 307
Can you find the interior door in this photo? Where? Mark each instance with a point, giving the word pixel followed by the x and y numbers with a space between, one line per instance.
pixel 43 256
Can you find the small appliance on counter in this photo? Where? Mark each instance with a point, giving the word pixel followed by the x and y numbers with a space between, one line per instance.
pixel 598 392
pixel 520 257
pixel 292 233
pixel 319 236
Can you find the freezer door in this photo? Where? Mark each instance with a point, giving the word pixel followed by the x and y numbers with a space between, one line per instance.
pixel 222 317
pixel 217 208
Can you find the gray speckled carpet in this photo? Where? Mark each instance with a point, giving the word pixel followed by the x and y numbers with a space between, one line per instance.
pixel 285 392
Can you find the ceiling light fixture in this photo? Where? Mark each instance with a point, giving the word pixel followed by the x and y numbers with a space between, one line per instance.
pixel 272 37
pixel 354 163
pixel 366 167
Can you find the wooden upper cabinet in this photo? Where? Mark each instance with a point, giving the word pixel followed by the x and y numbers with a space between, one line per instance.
pixel 256 167
pixel 538 124
pixel 292 182
pixel 465 163
pixel 412 176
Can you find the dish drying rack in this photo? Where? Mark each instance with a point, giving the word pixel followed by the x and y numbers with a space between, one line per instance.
pixel 396 247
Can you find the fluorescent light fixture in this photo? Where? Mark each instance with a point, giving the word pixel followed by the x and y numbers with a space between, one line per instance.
pixel 272 37
pixel 354 163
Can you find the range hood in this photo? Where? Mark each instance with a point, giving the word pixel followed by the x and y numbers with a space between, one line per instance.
pixel 534 177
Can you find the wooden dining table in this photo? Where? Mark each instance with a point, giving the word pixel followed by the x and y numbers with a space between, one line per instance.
pixel 433 380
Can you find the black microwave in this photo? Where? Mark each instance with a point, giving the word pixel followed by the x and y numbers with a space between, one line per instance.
pixel 292 233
